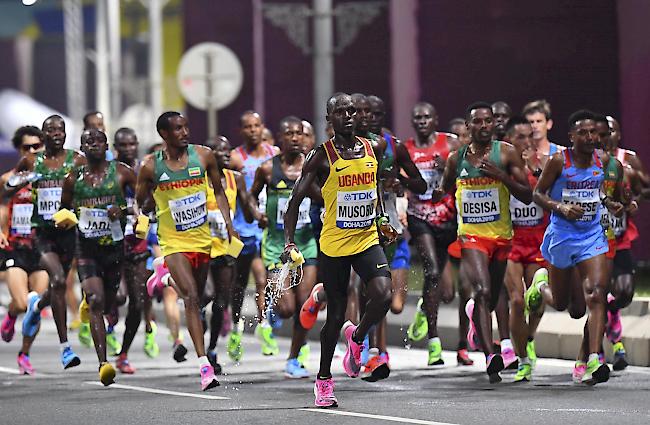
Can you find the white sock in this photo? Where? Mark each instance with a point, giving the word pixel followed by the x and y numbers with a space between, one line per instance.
pixel 593 356
pixel 506 343
pixel 203 361
pixel 64 345
pixel 434 339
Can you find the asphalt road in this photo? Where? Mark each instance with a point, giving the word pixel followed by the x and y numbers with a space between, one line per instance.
pixel 256 392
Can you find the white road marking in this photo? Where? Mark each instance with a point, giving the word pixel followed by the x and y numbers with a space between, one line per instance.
pixel 380 417
pixel 9 370
pixel 574 410
pixel 157 391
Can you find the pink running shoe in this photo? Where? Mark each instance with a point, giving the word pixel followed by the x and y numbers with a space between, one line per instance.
pixel 208 380
pixel 352 358
pixel 7 328
pixel 226 325
pixel 579 370
pixel 324 392
pixel 472 338
pixel 509 357
pixel 155 282
pixel 614 328
pixel 24 365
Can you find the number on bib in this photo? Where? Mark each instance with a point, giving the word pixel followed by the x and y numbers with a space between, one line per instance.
pixel 355 209
pixel 21 219
pixel 189 211
pixel 49 201
pixel 303 213
pixel 94 222
pixel 480 205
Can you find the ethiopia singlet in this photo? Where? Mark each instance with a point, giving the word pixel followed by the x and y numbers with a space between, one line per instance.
pixel 21 209
pixel 578 186
pixel 91 204
pixel 483 202
pixel 181 198
pixel 527 218
pixel 216 221
pixel 46 191
pixel 350 195
pixel 624 228
pixel 610 180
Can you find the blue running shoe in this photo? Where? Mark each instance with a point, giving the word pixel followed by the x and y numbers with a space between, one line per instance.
pixel 274 320
pixel 294 370
pixel 69 358
pixel 365 352
pixel 32 318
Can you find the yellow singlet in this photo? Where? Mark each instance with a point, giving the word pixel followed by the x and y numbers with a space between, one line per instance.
pixel 215 218
pixel 350 195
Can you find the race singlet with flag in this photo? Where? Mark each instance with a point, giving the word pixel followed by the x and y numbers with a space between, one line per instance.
pixel 46 191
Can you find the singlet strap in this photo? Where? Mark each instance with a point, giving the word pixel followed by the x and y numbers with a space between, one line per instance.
pixel 230 179
pixel 462 152
pixel 567 158
pixel 269 149
pixel 369 150
pixel 242 152
pixel 330 150
pixel 390 143
pixel 597 160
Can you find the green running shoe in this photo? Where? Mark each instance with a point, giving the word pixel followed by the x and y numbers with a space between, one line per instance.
pixel 533 300
pixel 435 353
pixel 620 360
pixel 524 373
pixel 269 344
pixel 151 348
pixel 530 352
pixel 113 346
pixel 234 347
pixel 419 327
pixel 596 372
pixel 85 338
pixel 303 356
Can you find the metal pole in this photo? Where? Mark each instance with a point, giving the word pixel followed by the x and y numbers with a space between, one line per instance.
pixel 75 61
pixel 209 94
pixel 101 63
pixel 323 63
pixel 115 48
pixel 155 54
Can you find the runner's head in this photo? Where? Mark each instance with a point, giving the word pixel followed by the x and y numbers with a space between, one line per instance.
pixel 602 128
pixel 502 113
pixel 221 149
pixel 94 119
pixel 363 115
pixel 457 126
pixel 308 135
pixel 538 113
pixel 267 137
pixel 54 132
pixel 480 122
pixel 172 127
pixel 424 119
pixel 340 114
pixel 290 135
pixel 28 140
pixel 519 133
pixel 582 132
pixel 615 132
pixel 126 144
pixel 251 127
pixel 377 114
pixel 94 145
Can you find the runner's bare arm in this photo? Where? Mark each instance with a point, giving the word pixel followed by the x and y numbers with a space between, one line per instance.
pixel 616 205
pixel 215 177
pixel 448 178
pixel 236 161
pixel 145 186
pixel 262 177
pixel 637 165
pixel 79 159
pixel 246 201
pixel 67 191
pixel 127 179
pixel 24 165
pixel 413 179
pixel 516 179
pixel 550 173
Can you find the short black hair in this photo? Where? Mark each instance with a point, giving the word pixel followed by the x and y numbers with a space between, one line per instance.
pixel 123 130
pixel 52 117
pixel 601 118
pixel 424 105
pixel 333 99
pixel 291 119
pixel 163 120
pixel 92 132
pixel 88 115
pixel 515 120
pixel 247 113
pixel 456 121
pixel 501 103
pixel 580 115
pixel 477 105
pixel 26 130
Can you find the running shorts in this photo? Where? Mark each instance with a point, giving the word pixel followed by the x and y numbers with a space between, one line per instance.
pixel 495 249
pixel 526 248
pixel 135 249
pixel 25 258
pixel 398 254
pixel 252 245
pixel 564 249
pixel 196 259
pixel 102 261
pixel 443 237
pixel 60 242
pixel 368 264
pixel 623 262
pixel 454 249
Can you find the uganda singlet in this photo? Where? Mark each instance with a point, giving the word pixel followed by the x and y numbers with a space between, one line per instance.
pixel 483 202
pixel 181 198
pixel 216 221
pixel 46 191
pixel 350 195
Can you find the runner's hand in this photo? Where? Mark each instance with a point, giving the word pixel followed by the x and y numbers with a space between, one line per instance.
pixel 232 233
pixel 616 208
pixel 285 257
pixel 3 241
pixel 631 209
pixel 490 169
pixel 571 212
pixel 114 213
pixel 263 221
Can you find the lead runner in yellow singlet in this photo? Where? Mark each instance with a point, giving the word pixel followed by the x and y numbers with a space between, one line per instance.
pixel 176 178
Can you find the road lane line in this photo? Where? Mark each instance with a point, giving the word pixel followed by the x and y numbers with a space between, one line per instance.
pixel 9 370
pixel 157 391
pixel 380 417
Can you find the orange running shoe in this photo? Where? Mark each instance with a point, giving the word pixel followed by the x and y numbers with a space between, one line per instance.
pixel 309 310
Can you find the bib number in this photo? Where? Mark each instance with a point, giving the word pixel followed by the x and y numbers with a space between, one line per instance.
pixel 21 219
pixel 619 224
pixel 525 215
pixel 189 212
pixel 587 199
pixel 355 209
pixel 480 205
pixel 218 224
pixel 130 219
pixel 94 223
pixel 49 201
pixel 432 177
pixel 303 213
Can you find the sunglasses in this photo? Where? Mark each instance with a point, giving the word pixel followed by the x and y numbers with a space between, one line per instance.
pixel 32 147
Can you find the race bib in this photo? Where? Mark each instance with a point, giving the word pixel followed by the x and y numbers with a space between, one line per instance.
pixel 130 219
pixel 303 213
pixel 480 205
pixel 605 219
pixel 49 201
pixel 587 199
pixel 94 223
pixel 525 215
pixel 21 219
pixel 619 224
pixel 218 224
pixel 189 211
pixel 432 177
pixel 356 209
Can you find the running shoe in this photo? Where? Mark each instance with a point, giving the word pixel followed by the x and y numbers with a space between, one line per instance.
pixel 157 281
pixel 179 352
pixel 462 357
pixel 69 358
pixel 208 380
pixel 378 368
pixel 7 329
pixel 106 374
pixel 84 310
pixel 269 344
pixel 524 373
pixel 123 365
pixel 212 358
pixel 418 329
pixel 274 319
pixel 226 324
pixel 352 358
pixel 74 325
pixel 472 337
pixel 234 346
pixel 112 344
pixel 32 318
pixel 324 393
pixel 84 335
pixel 510 360
pixel 531 353
pixel 365 351
pixel 435 353
pixel 614 328
pixel 494 366
pixel 620 360
pixel 579 369
pixel 596 372
pixel 24 365
pixel 303 355
pixel 310 308
pixel 533 300
pixel 294 370
pixel 151 348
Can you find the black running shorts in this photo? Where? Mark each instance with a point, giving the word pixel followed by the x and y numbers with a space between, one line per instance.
pixel 368 264
pixel 102 261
